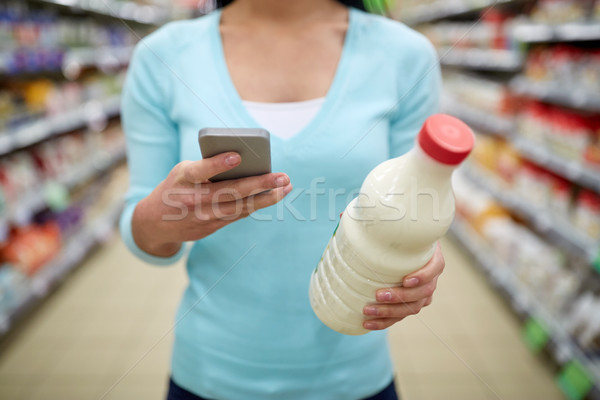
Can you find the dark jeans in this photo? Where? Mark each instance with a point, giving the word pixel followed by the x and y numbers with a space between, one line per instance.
pixel 176 392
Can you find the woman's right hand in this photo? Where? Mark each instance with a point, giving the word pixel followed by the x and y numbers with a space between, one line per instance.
pixel 186 206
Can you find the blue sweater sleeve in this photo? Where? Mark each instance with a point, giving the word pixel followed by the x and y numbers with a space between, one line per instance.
pixel 419 95
pixel 152 137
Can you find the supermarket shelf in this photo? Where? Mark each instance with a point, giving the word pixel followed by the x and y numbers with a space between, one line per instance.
pixel 45 128
pixel 478 59
pixel 555 228
pixel 529 32
pixel 551 92
pixel 445 9
pixel 523 300
pixel 71 255
pixel 35 199
pixel 478 119
pixel 128 11
pixel 573 170
pixel 97 57
pixel 74 61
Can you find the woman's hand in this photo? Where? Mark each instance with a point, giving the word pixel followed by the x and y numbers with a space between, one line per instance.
pixel 416 292
pixel 186 206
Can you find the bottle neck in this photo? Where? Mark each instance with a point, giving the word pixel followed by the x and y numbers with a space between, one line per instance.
pixel 425 162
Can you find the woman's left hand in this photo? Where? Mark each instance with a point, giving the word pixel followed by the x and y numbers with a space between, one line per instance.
pixel 416 292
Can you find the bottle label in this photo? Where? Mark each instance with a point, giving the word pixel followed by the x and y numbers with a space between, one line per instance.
pixel 338 225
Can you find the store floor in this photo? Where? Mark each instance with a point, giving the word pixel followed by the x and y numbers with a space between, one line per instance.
pixel 105 334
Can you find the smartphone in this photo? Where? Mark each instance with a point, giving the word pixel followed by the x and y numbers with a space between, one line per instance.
pixel 252 144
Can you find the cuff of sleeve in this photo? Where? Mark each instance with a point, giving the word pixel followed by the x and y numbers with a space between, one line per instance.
pixel 127 235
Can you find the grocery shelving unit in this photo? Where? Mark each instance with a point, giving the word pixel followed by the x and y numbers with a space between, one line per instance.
pixel 529 32
pixel 524 302
pixel 440 9
pixel 485 60
pixel 93 175
pixel 478 119
pixel 128 11
pixel 128 21
pixel 555 228
pixel 576 97
pixel 506 66
pixel 572 170
pixel 78 59
pixel 45 128
pixel 71 256
pixel 34 200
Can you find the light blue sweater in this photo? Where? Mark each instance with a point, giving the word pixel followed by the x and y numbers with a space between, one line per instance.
pixel 245 328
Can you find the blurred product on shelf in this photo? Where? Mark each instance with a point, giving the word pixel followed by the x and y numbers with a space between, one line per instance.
pixel 564 65
pixel 22 102
pixel 579 323
pixel 563 11
pixel 68 219
pixel 497 155
pixel 543 189
pixel 586 215
pixel 417 12
pixel 566 133
pixel 493 97
pixel 34 39
pixel 67 160
pixel 30 247
pixel 543 11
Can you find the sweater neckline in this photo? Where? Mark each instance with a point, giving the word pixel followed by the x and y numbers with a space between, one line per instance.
pixel 332 98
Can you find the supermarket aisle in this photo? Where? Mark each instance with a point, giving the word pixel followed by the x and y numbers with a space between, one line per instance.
pixel 97 326
pixel 106 335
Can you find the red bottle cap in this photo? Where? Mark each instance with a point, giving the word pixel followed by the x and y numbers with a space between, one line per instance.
pixel 446 139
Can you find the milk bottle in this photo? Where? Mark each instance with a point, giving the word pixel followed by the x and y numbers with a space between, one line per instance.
pixel 390 230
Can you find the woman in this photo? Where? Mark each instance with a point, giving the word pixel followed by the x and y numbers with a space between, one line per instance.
pixel 341 91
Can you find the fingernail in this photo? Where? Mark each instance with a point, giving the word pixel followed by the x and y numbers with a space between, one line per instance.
pixel 384 296
pixel 370 325
pixel 412 282
pixel 282 181
pixel 287 189
pixel 233 159
pixel 370 310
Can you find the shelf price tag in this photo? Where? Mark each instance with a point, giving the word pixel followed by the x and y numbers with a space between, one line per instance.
pixel 575 381
pixel 535 335
pixel 596 262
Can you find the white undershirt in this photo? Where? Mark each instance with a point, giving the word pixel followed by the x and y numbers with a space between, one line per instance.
pixel 284 119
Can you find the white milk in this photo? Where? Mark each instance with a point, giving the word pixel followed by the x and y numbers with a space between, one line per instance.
pixel 390 230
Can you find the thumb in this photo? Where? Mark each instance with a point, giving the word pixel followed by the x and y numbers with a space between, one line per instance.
pixel 202 170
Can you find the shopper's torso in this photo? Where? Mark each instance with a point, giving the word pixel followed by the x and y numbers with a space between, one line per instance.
pixel 245 328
